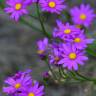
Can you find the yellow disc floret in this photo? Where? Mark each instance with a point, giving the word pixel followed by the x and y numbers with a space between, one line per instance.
pixel 56 58
pixel 67 31
pixel 18 6
pixel 31 94
pixel 52 4
pixel 77 40
pixel 82 16
pixel 40 51
pixel 18 85
pixel 72 55
pixel 78 26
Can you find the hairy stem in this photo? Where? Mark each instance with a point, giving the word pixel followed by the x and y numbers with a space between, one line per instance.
pixel 86 78
pixel 32 16
pixel 42 25
pixel 53 73
pixel 22 20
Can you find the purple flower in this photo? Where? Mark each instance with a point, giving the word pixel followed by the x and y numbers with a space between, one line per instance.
pixel 80 41
pixel 34 1
pixel 35 90
pixel 65 31
pixel 20 73
pixel 28 2
pixel 72 57
pixel 42 46
pixel 53 6
pixel 21 84
pixel 16 8
pixel 17 84
pixel 55 56
pixel 83 15
pixel 45 75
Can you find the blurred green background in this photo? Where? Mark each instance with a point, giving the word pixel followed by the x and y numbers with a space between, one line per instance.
pixel 18 51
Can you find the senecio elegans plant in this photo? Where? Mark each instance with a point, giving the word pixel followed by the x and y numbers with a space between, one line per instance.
pixel 63 51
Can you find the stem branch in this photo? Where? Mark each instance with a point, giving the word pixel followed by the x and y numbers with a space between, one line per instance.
pixel 42 25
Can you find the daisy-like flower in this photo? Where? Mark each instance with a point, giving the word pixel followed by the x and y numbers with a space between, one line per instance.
pixel 56 29
pixel 42 46
pixel 80 41
pixel 55 56
pixel 21 84
pixel 72 57
pixel 53 6
pixel 83 15
pixel 16 8
pixel 35 90
pixel 17 84
pixel 65 31
pixel 20 74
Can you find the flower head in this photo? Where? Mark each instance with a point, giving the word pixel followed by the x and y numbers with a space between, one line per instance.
pixel 16 8
pixel 20 74
pixel 35 90
pixel 83 15
pixel 53 6
pixel 65 31
pixel 17 84
pixel 55 56
pixel 80 41
pixel 21 84
pixel 42 46
pixel 72 57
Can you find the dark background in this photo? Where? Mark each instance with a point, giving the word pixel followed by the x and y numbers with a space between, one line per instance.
pixel 18 51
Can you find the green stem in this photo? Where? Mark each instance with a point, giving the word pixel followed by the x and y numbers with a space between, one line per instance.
pixel 86 78
pixel 64 74
pixel 22 20
pixel 33 16
pixel 60 73
pixel 73 74
pixel 42 25
pixel 53 73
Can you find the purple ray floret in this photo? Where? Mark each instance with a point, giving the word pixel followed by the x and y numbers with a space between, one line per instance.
pixel 83 15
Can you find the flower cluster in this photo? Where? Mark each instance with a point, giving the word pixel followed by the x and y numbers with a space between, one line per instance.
pixel 17 8
pixel 80 16
pixel 68 47
pixel 21 84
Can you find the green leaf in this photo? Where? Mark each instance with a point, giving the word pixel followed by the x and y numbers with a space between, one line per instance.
pixel 1 0
pixel 91 52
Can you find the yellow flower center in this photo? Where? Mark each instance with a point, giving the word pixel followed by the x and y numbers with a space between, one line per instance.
pixel 77 40
pixel 18 6
pixel 67 31
pixel 56 58
pixel 52 4
pixel 78 26
pixel 40 51
pixel 31 94
pixel 72 56
pixel 82 16
pixel 18 85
